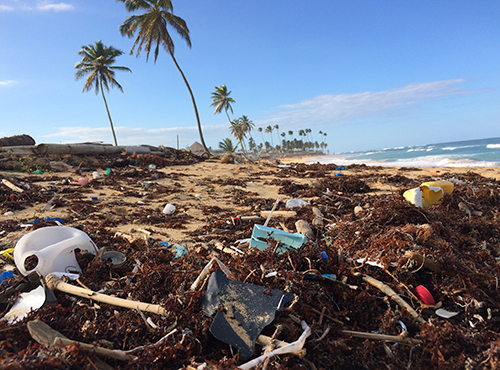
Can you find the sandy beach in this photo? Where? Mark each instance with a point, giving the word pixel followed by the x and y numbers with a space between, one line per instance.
pixel 364 215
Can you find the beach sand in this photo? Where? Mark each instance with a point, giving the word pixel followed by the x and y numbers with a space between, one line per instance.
pixel 207 195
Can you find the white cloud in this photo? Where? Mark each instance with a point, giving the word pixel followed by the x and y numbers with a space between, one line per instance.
pixel 7 83
pixel 337 108
pixel 49 6
pixel 6 8
pixel 43 6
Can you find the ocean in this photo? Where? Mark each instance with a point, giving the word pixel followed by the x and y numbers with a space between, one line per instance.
pixel 469 153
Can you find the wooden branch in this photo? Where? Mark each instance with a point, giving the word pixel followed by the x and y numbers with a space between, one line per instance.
pixel 53 282
pixel 12 186
pixel 394 296
pixel 390 338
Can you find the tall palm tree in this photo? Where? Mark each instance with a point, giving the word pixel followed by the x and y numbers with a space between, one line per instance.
pixel 222 100
pixel 277 128
pixel 302 133
pixel 260 130
pixel 97 62
pixel 247 125
pixel 151 27
pixel 236 129
pixel 269 130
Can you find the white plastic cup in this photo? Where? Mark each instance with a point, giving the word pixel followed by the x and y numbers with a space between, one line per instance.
pixel 169 209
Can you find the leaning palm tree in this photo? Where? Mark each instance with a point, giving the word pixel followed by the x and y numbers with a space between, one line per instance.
pixel 236 129
pixel 222 100
pixel 97 62
pixel 151 27
pixel 247 125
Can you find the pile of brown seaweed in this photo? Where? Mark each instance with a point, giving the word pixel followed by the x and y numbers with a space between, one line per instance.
pixel 379 247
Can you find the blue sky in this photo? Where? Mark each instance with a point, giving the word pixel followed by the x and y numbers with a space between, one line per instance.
pixel 370 73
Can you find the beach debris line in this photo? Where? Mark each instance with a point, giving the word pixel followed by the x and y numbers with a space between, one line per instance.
pixel 353 324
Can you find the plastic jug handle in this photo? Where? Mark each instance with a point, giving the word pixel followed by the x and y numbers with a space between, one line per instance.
pixel 40 263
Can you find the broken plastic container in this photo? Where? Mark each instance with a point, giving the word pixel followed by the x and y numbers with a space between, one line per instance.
pixel 428 193
pixel 286 240
pixel 52 248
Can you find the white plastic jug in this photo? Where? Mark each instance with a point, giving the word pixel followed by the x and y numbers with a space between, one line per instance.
pixel 54 248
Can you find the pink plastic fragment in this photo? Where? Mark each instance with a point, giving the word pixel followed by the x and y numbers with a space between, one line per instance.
pixel 83 181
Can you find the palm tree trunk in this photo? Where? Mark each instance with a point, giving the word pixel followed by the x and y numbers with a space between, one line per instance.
pixel 109 116
pixel 194 105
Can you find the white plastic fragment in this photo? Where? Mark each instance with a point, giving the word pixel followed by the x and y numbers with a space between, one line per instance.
pixel 291 348
pixel 446 314
pixel 169 209
pixel 291 203
pixel 27 302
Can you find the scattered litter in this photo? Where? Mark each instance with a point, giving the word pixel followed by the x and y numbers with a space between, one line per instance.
pixel 26 303
pixel 446 314
pixel 425 295
pixel 428 193
pixel 292 203
pixel 291 348
pixel 116 258
pixel 6 275
pixel 169 209
pixel 281 240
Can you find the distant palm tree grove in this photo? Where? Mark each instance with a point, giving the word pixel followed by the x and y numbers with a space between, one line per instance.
pixel 151 31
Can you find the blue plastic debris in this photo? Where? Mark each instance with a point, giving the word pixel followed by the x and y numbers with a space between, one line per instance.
pixel 311 276
pixel 323 256
pixel 287 241
pixel 5 275
pixel 179 250
pixel 57 219
pixel 339 174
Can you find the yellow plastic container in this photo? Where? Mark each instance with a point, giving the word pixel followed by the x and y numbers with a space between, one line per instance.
pixel 429 193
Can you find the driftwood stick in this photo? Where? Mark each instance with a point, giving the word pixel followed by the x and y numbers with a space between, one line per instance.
pixel 394 296
pixel 12 186
pixel 389 338
pixel 53 282
pixel 44 334
pixel 113 353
